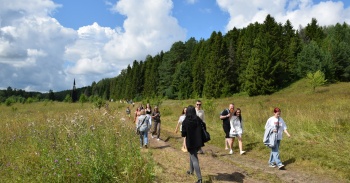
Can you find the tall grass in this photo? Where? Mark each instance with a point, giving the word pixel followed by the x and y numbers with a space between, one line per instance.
pixel 319 123
pixel 60 142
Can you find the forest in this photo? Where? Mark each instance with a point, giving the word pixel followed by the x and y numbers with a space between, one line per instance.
pixel 259 59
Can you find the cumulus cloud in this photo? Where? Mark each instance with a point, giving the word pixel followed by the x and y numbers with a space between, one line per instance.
pixel 37 53
pixel 298 12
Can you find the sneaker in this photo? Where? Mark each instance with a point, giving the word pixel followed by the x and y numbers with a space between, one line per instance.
pixel 231 152
pixel 272 165
pixel 189 173
pixel 242 152
pixel 146 146
pixel 280 166
pixel 158 139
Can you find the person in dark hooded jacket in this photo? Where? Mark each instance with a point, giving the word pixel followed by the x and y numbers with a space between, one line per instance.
pixel 192 130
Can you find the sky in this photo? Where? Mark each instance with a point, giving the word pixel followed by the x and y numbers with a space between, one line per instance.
pixel 46 44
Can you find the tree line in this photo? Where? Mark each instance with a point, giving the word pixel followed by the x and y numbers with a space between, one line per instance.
pixel 259 59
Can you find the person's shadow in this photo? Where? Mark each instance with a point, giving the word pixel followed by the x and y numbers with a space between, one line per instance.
pixel 233 177
pixel 289 161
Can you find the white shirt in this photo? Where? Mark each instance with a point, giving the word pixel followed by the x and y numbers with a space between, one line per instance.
pixel 181 119
pixel 272 122
pixel 200 114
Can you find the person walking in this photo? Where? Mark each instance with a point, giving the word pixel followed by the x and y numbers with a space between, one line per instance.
pixel 128 112
pixel 192 131
pixel 200 114
pixel 236 130
pixel 179 124
pixel 136 115
pixel 156 123
pixel 149 113
pixel 225 117
pixel 277 124
pixel 143 125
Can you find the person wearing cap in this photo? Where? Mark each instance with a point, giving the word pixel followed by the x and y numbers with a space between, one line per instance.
pixel 278 125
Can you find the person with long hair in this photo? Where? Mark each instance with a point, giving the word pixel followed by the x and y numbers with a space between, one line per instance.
pixel 200 114
pixel 278 125
pixel 156 123
pixel 149 113
pixel 137 114
pixel 192 131
pixel 236 130
pixel 179 124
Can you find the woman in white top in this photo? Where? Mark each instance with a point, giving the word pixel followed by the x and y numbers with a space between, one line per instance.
pixel 279 126
pixel 236 130
pixel 179 124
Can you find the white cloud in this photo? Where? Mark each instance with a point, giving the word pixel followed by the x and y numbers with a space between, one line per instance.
pixel 37 53
pixel 299 12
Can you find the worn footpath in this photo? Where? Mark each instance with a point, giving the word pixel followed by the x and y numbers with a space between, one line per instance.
pixel 217 165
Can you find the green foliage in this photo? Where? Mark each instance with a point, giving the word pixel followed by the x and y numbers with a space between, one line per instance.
pixel 99 103
pixel 316 79
pixel 68 98
pixel 83 98
pixel 259 59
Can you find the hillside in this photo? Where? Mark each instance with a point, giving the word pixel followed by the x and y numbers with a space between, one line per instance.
pixel 318 123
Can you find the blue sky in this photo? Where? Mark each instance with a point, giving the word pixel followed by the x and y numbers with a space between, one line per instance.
pixel 45 44
pixel 199 18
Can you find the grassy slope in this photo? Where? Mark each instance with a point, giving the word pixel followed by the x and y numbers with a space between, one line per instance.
pixel 318 123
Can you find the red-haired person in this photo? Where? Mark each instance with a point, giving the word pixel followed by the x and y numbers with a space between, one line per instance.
pixel 278 126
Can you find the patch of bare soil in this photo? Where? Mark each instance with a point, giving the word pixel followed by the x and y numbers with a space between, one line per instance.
pixel 218 166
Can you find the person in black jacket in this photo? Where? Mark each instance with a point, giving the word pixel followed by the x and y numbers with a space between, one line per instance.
pixel 191 129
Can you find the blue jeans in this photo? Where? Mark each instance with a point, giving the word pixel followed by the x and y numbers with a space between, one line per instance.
pixel 144 138
pixel 275 155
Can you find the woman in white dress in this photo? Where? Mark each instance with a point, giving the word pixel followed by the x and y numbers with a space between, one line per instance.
pixel 179 125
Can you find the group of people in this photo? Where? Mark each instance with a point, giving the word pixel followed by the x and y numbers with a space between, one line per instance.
pixel 147 120
pixel 232 124
pixel 191 122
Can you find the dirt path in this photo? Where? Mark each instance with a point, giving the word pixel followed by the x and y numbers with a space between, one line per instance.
pixel 218 166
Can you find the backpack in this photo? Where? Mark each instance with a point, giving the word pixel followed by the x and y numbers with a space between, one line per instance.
pixel 144 124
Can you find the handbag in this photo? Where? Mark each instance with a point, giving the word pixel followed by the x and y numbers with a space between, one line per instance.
pixel 138 131
pixel 205 134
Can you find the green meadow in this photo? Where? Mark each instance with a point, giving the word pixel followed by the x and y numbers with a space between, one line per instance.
pixel 62 142
pixel 65 142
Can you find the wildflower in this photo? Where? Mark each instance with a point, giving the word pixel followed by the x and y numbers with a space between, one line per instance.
pixel 56 161
pixel 79 175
